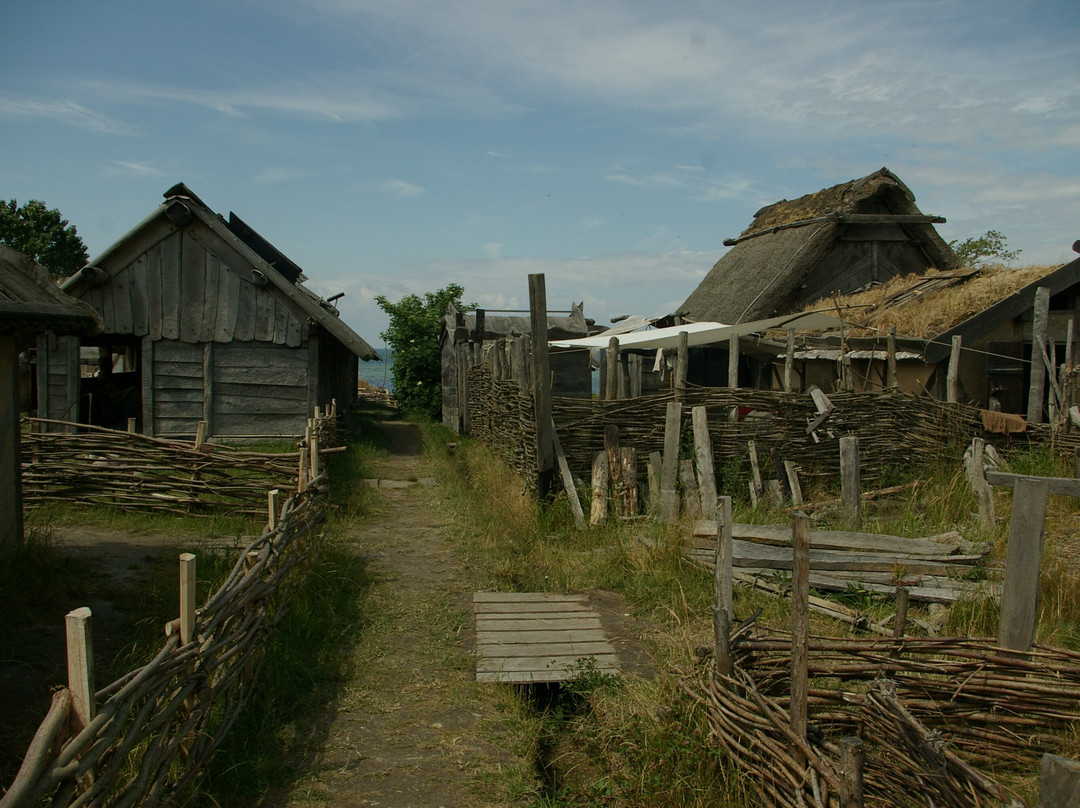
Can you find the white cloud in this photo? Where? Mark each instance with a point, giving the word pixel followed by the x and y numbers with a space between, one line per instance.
pixel 401 189
pixel 67 113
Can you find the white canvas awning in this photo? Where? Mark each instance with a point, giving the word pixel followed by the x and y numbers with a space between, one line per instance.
pixel 702 333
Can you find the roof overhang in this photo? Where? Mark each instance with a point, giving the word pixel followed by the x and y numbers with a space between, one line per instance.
pixel 702 333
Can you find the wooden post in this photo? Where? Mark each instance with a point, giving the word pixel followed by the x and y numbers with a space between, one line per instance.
pixel 567 479
pixel 628 472
pixel 615 469
pixel 706 473
pixel 654 471
pixel 187 597
pixel 894 380
pixel 541 379
pixel 793 482
pixel 314 456
pixel 850 486
pixel 976 475
pixel 691 496
pixel 902 598
pixel 633 370
pixel 131 425
pixel 789 360
pixel 200 436
pixel 800 626
pixel 1059 782
pixel 302 472
pixel 80 667
pixel 669 495
pixel 478 338
pixel 1037 391
pixel 273 497
pixel 852 761
pixel 756 486
pixel 599 488
pixel 953 374
pixel 1023 561
pixel 612 375
pixel 722 587
pixel 733 362
pixel 681 361
pixel 623 377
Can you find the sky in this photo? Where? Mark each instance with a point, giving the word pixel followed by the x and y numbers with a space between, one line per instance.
pixel 391 147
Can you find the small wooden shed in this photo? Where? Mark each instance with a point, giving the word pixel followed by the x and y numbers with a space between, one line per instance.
pixel 204 320
pixel 30 303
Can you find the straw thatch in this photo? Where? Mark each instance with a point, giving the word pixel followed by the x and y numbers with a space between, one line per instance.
pixel 839 238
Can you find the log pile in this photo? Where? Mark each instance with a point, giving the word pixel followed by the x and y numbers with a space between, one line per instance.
pixel 126 470
pixel 929 712
pixel 156 727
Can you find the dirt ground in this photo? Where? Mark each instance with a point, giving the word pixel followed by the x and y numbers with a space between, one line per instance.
pixel 413 728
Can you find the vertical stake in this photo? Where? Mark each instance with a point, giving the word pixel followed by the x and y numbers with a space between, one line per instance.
pixel 894 380
pixel 722 587
pixel 852 761
pixel 187 597
pixel 789 360
pixel 200 436
pixel 850 486
pixel 733 363
pixel 682 360
pixel 272 507
pixel 80 665
pixel 800 625
pixel 1023 562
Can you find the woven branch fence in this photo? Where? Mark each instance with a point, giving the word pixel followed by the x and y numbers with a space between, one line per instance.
pixel 894 430
pixel 126 470
pixel 929 712
pixel 156 727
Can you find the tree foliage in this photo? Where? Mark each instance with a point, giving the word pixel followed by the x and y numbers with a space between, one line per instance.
pixel 413 336
pixel 44 235
pixel 989 248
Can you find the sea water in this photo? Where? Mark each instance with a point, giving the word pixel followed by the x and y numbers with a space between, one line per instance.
pixel 378 373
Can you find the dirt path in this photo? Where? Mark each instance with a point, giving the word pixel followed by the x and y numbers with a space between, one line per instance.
pixel 413 729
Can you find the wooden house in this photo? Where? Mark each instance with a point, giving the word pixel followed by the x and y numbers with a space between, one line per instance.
pixel 798 252
pixel 30 304
pixel 991 309
pixel 204 320
pixel 466 336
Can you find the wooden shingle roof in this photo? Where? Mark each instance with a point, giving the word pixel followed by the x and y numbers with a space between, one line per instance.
pixel 31 302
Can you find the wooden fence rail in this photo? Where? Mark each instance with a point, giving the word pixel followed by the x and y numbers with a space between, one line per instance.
pixel 97 466
pixel 150 732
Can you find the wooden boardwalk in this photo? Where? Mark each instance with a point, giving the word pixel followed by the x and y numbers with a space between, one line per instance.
pixel 529 637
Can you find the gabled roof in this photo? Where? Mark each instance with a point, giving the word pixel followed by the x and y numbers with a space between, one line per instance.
pixel 31 302
pixel 771 259
pixel 500 325
pixel 182 207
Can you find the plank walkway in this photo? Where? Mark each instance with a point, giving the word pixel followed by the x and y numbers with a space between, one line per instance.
pixel 537 637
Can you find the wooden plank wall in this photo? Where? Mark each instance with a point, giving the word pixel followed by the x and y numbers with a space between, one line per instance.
pixel 178 387
pixel 260 389
pixel 181 288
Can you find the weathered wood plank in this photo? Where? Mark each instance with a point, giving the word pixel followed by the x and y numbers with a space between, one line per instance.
pixel 525 597
pixel 170 287
pixel 507 608
pixel 192 288
pixel 228 299
pixel 488 638
pixel 535 650
pixel 779 536
pixel 607 662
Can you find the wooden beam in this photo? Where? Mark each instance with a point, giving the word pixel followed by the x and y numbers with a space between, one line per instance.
pixel 1023 564
pixel 669 495
pixel 800 626
pixel 541 379
pixel 953 373
pixel 1037 391
pixel 1062 486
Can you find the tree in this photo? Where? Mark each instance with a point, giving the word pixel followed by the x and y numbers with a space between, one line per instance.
pixel 413 336
pixel 43 235
pixel 988 248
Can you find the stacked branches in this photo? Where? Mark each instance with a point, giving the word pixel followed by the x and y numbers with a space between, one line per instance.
pixel 97 466
pixel 929 710
pixel 156 727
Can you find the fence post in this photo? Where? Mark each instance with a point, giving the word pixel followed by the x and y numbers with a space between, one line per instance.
pixel 80 666
pixel 669 494
pixel 541 383
pixel 800 626
pixel 722 587
pixel 611 370
pixel 850 486
pixel 894 381
pixel 733 362
pixel 682 360
pixel 600 482
pixel 852 760
pixel 705 471
pixel 1059 782
pixel 633 370
pixel 187 597
pixel 953 373
pixel 976 475
pixel 200 436
pixel 1023 562
pixel 314 456
pixel 793 482
pixel 789 359
pixel 272 498
pixel 1037 391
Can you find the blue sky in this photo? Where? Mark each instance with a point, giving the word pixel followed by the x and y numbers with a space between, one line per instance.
pixel 389 146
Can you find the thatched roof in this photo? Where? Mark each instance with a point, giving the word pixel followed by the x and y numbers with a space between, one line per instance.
pixel 770 265
pixel 31 302
pixel 497 325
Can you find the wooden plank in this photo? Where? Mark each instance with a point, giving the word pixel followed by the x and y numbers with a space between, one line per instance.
pixel 1062 486
pixel 733 362
pixel 779 536
pixel 567 479
pixel 1023 563
pixel 509 608
pixel 281 322
pixel 244 330
pixel 800 627
pixel 669 497
pixel 170 287
pixel 538 665
pixel 137 295
pixel 705 465
pixel 265 312
pixel 600 482
pixel 192 287
pixel 533 677
pixel 541 384
pixel 555 621
pixel 526 597
pixel 850 486
pixel 1037 390
pixel 536 650
pixel 491 638
pixel 120 289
